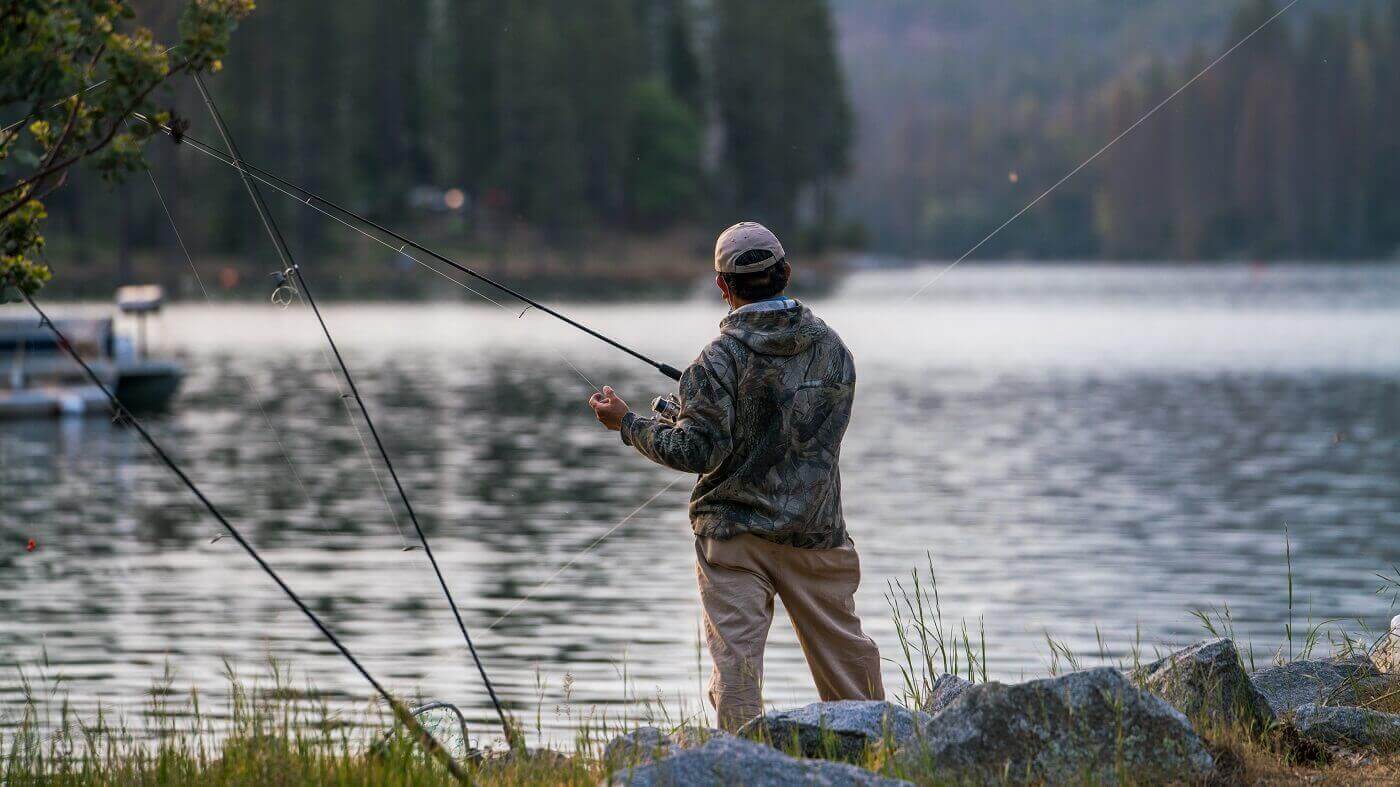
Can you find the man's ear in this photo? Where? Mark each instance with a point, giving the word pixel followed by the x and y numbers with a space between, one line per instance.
pixel 722 285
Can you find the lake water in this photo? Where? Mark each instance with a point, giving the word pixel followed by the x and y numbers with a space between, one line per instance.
pixel 1080 451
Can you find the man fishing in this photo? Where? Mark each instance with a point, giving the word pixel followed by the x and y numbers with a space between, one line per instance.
pixel 761 415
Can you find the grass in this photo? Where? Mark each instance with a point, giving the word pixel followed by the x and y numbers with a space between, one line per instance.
pixel 270 731
pixel 930 646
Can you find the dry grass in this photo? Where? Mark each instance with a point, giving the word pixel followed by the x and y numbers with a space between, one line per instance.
pixel 1385 698
pixel 1259 766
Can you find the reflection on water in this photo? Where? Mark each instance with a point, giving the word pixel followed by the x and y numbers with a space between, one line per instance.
pixel 1078 449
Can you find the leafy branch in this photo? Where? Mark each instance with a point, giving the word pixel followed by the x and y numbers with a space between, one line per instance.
pixel 89 51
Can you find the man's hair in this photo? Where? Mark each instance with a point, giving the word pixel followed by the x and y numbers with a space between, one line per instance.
pixel 760 284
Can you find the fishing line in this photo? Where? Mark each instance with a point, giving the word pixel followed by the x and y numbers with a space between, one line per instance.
pixel 364 446
pixel 428 742
pixel 349 414
pixel 369 459
pixel 1102 150
pixel 283 251
pixel 584 551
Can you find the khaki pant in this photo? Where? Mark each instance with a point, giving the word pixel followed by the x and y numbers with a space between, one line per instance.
pixel 738 579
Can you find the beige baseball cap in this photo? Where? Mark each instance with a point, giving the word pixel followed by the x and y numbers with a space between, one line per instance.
pixel 742 237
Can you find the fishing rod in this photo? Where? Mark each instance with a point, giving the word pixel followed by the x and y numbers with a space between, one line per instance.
pixel 308 196
pixel 401 711
pixel 291 265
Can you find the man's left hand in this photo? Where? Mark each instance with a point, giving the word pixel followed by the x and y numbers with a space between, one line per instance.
pixel 609 408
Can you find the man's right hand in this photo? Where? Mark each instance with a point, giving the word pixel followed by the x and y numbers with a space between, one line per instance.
pixel 608 407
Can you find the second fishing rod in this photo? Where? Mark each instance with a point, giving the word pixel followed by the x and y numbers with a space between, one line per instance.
pixel 309 197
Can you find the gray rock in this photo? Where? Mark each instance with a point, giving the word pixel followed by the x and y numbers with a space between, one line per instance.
pixel 649 744
pixel 943 691
pixel 1093 726
pixel 728 760
pixel 1346 681
pixel 836 730
pixel 1207 683
pixel 1350 727
pixel 642 745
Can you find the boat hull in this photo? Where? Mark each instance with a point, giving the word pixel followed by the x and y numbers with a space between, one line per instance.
pixel 148 386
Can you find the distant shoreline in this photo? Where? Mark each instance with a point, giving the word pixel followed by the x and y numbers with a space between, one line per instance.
pixel 667 269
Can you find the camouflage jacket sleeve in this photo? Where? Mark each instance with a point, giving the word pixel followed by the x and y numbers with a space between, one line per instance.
pixel 703 435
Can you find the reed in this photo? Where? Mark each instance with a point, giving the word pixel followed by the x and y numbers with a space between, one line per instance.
pixel 929 645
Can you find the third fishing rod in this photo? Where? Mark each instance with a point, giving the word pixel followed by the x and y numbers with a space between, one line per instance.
pixel 308 196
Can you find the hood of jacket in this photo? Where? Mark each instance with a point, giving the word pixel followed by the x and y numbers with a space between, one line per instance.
pixel 774 331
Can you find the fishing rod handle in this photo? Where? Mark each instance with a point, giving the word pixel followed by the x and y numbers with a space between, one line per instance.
pixel 669 370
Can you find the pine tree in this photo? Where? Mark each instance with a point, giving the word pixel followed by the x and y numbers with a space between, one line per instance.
pixel 540 170
pixel 682 63
pixel 663 171
pixel 782 104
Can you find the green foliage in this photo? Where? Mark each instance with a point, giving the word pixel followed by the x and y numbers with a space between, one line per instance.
pixel 663 173
pixel 79 73
pixel 930 646
pixel 19 239
pixel 684 73
pixel 541 170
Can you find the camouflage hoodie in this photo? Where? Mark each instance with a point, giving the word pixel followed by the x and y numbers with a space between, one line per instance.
pixel 763 410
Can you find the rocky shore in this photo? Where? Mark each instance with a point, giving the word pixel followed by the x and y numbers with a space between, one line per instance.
pixel 1174 721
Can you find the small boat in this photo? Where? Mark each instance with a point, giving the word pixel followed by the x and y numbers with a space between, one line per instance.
pixel 39 380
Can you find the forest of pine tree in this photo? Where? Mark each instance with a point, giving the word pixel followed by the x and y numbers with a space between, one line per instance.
pixel 558 121
pixel 563 122
pixel 1289 148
